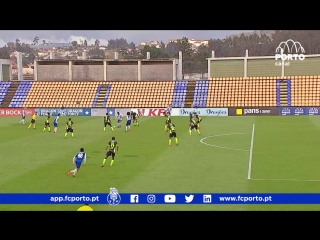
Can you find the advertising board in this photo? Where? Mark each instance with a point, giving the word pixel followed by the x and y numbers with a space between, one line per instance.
pixel 213 112
pixel 254 111
pixel 64 112
pixel 149 112
pixel 13 112
pixel 299 111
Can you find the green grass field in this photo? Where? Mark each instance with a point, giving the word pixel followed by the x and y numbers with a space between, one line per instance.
pixel 284 150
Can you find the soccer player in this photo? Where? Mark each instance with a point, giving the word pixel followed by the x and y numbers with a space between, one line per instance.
pixel 23 116
pixel 168 120
pixel 69 128
pixel 198 120
pixel 85 207
pixel 47 124
pixel 194 125
pixel 172 133
pixel 55 123
pixel 135 118
pixel 169 110
pixel 128 124
pixel 107 122
pixel 111 150
pixel 33 121
pixel 119 119
pixel 78 159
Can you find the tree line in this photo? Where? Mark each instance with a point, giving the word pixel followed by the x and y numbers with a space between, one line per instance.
pixel 194 59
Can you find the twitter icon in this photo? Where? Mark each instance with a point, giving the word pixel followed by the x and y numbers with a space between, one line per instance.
pixel 189 199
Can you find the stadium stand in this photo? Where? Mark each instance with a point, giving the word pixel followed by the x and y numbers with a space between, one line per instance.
pixel 4 87
pixel 57 94
pixel 305 90
pixel 219 92
pixel 235 92
pixel 140 94
pixel 21 94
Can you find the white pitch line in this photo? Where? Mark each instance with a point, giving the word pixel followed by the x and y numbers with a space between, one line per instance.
pixel 251 149
pixel 293 180
pixel 220 135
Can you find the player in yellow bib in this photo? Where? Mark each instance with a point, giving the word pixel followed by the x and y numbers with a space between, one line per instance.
pixel 86 207
pixel 33 121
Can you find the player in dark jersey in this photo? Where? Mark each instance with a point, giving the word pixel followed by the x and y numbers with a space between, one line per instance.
pixel 69 128
pixel 47 124
pixel 193 126
pixel 107 122
pixel 168 120
pixel 190 117
pixel 172 133
pixel 198 120
pixel 135 118
pixel 111 150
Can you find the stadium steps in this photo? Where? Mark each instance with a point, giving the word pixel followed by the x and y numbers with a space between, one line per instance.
pixel 101 96
pixel 190 94
pixel 283 93
pixel 10 94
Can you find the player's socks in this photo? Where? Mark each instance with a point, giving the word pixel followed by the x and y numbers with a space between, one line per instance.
pixel 198 131
pixel 112 128
pixel 126 128
pixel 34 126
pixel 165 127
pixel 104 161
pixel 49 129
pixel 111 163
pixel 72 134
pixel 44 129
pixel 104 129
pixel 177 142
pixel 190 132
pixel 65 135
pixel 169 142
pixel 137 124
pixel 29 126
pixel 23 121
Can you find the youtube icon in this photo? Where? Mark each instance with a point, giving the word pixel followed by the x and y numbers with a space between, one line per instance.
pixel 169 198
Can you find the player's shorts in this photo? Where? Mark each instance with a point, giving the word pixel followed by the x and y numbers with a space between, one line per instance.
pixel 33 121
pixel 134 118
pixel 70 130
pixel 55 124
pixel 78 163
pixel 193 126
pixel 128 123
pixel 173 134
pixel 169 113
pixel 47 124
pixel 111 153
pixel 107 124
pixel 23 117
pixel 119 121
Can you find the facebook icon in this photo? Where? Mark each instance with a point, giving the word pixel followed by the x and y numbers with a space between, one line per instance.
pixel 134 198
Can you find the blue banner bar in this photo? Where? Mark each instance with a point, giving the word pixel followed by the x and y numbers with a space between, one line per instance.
pixel 159 198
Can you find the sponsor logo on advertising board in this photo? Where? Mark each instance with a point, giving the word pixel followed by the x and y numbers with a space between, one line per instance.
pixel 150 112
pixel 12 112
pixel 214 112
pixel 313 111
pixel 254 111
pixel 299 111
pixel 64 112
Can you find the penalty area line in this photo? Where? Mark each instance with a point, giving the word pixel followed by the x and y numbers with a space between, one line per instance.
pixel 292 180
pixel 250 151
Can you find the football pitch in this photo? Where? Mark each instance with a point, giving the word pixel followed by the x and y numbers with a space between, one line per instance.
pixel 280 156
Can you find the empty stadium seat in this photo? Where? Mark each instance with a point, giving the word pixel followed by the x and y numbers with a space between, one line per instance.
pixel 57 94
pixel 252 92
pixel 305 91
pixel 140 94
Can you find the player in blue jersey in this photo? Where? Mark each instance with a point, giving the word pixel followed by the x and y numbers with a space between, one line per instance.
pixel 169 110
pixel 119 119
pixel 55 123
pixel 78 159
pixel 128 124
pixel 23 116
